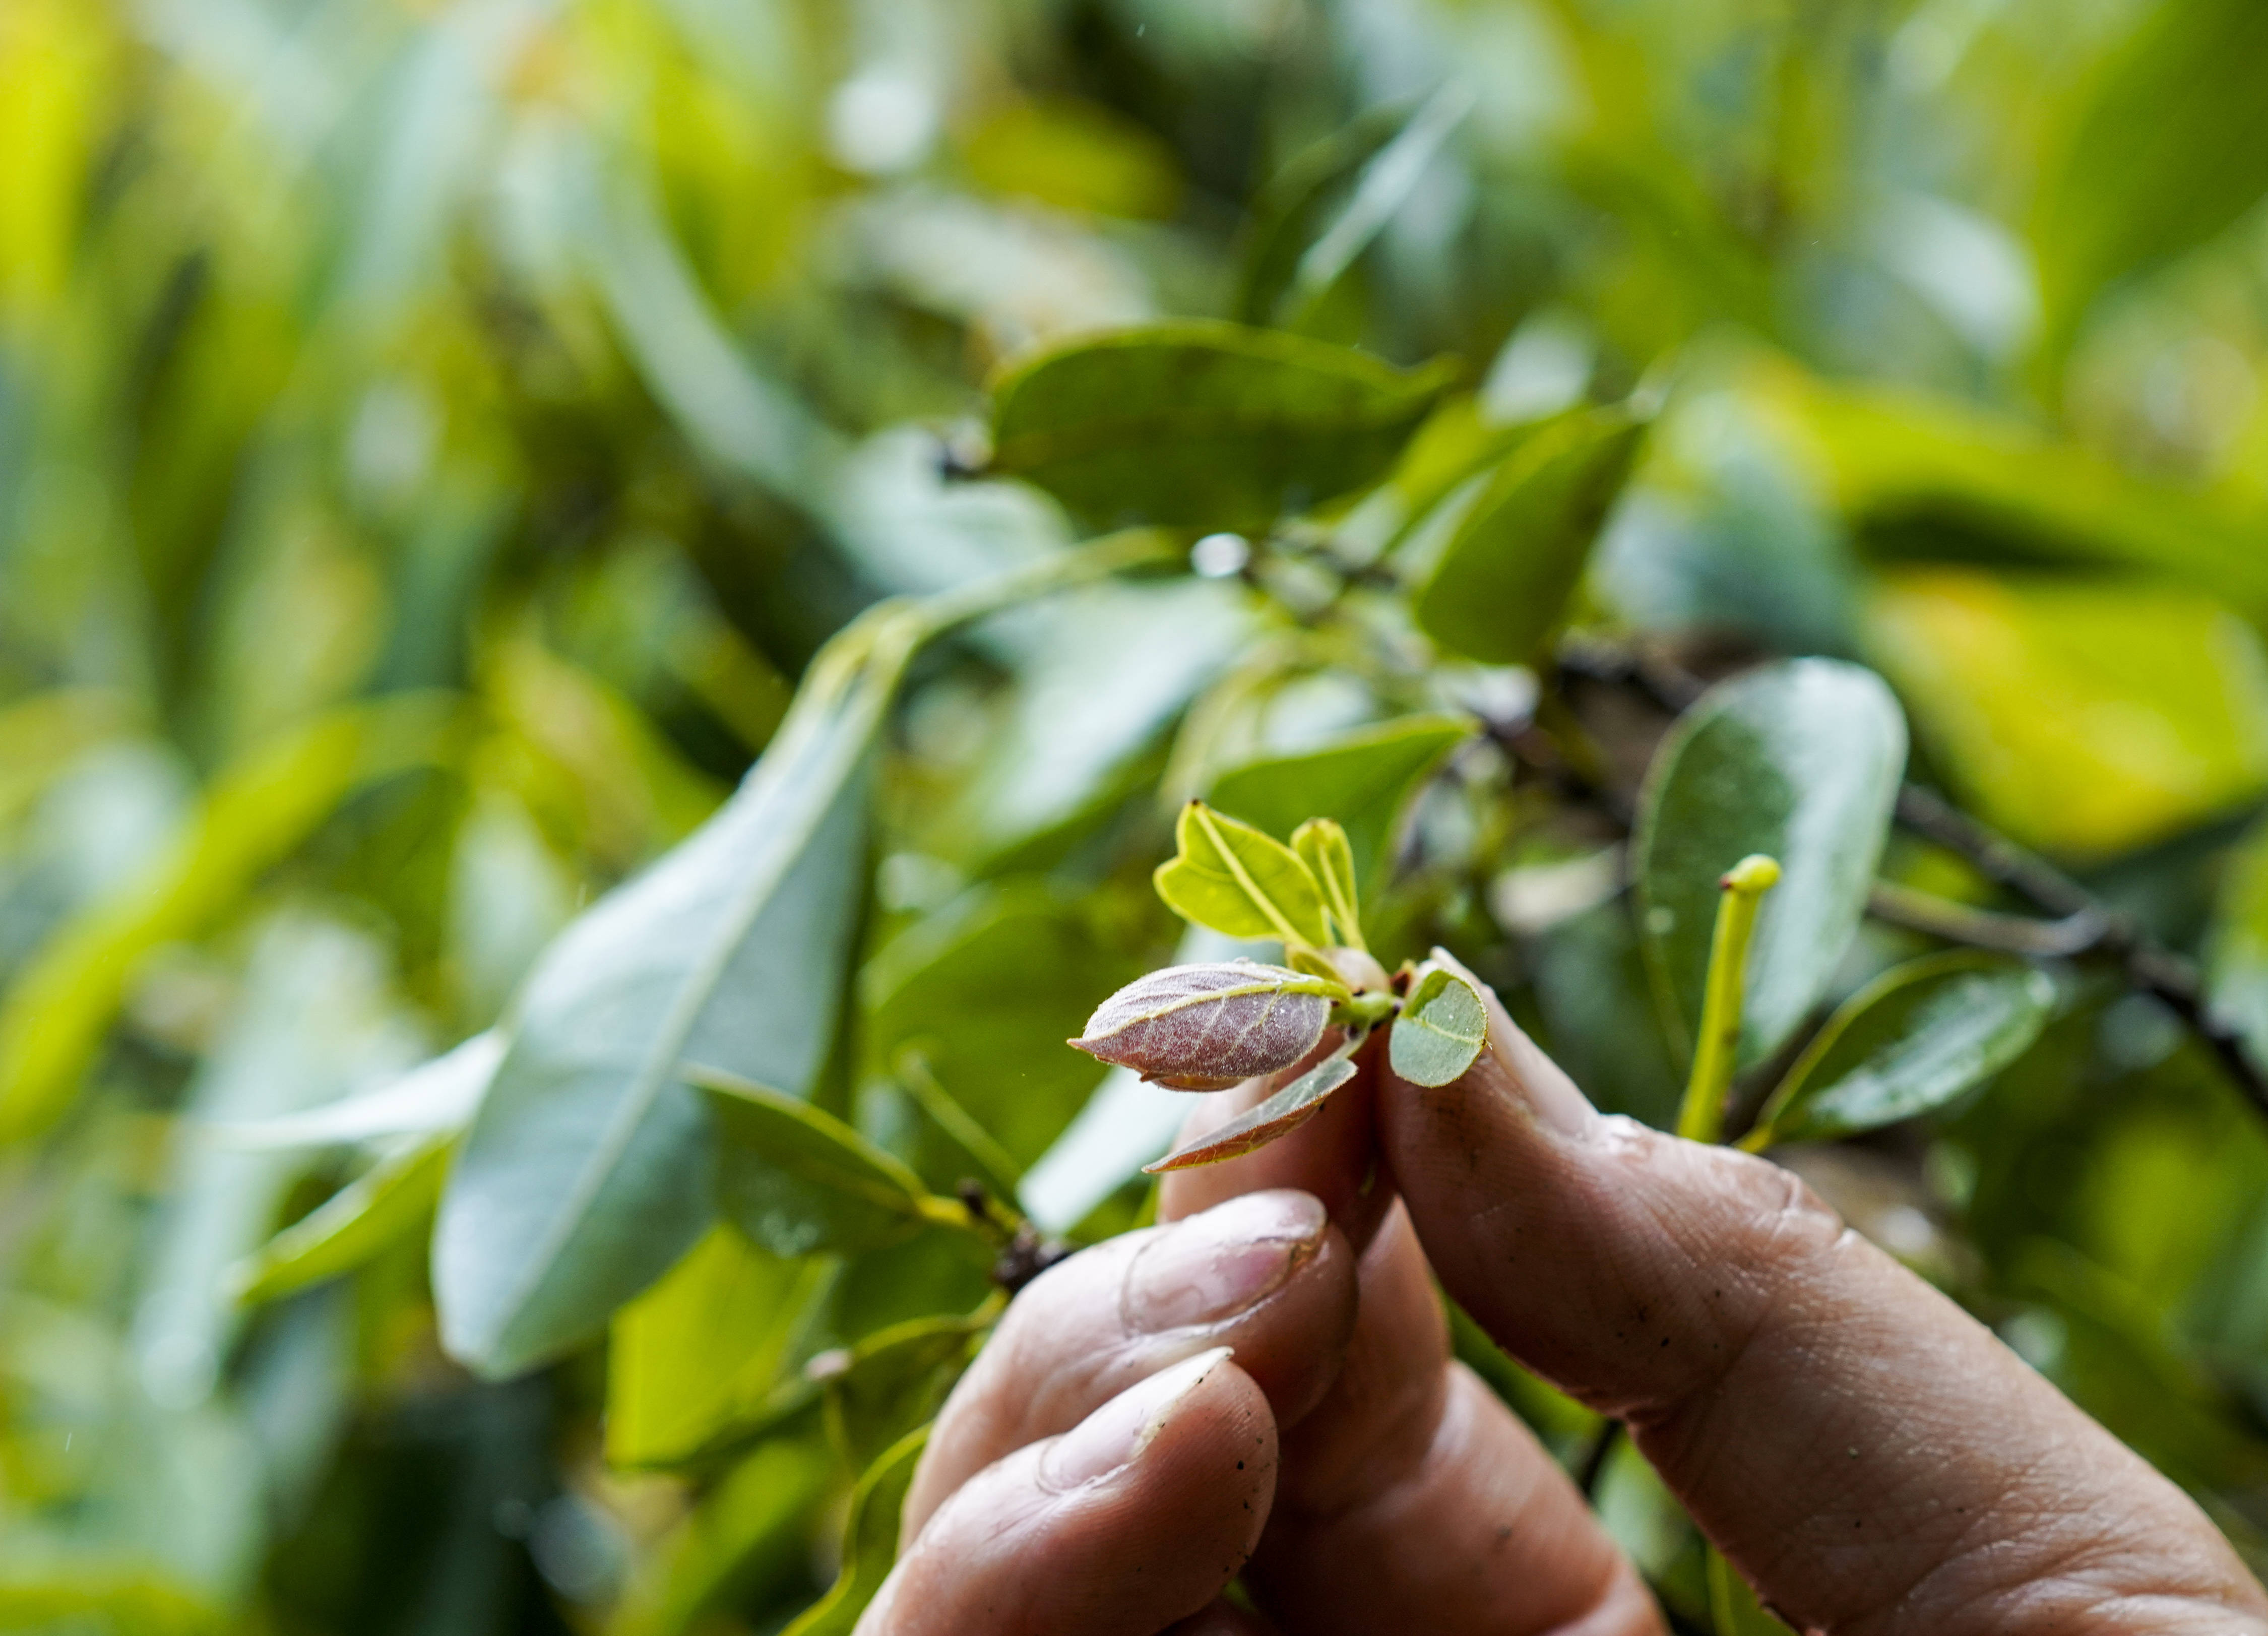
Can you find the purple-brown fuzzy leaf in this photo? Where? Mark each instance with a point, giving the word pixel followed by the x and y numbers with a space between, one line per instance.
pixel 1206 1027
pixel 1279 1116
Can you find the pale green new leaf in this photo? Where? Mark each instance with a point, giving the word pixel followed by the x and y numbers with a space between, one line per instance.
pixel 1239 880
pixel 796 1179
pixel 1202 423
pixel 588 1169
pixel 1442 1028
pixel 1322 844
pixel 1503 580
pixel 1799 761
pixel 1914 1039
pixel 870 1540
pixel 377 1210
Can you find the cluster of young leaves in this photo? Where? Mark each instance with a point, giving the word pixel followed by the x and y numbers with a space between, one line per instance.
pixel 438 455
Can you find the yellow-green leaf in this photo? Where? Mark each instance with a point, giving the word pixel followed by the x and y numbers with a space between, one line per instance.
pixel 870 1540
pixel 379 1209
pixel 1241 880
pixel 1322 844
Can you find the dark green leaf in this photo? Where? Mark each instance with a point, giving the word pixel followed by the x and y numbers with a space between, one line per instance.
pixel 1364 780
pixel 587 1170
pixel 870 1540
pixel 1280 1115
pixel 1235 879
pixel 1503 581
pixel 1443 1026
pixel 377 1210
pixel 1204 425
pixel 797 1180
pixel 1799 761
pixel 1912 1040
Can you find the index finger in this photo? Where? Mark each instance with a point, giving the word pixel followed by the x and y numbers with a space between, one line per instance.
pixel 1866 1451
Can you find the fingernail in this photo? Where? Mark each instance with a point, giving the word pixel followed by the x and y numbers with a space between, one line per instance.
pixel 1115 1435
pixel 1214 1266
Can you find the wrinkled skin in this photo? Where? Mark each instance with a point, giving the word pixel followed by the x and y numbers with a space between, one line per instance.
pixel 1867 1454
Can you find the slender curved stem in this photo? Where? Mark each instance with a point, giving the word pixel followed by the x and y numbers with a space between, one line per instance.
pixel 1702 1118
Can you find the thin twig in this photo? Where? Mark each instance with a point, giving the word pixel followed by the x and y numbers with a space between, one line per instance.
pixel 1981 928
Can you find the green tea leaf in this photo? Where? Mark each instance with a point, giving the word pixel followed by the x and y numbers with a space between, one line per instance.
pixel 434 1097
pixel 893 1380
pixel 709 1350
pixel 796 1179
pixel 1235 879
pixel 1503 581
pixel 1799 761
pixel 1322 844
pixel 587 1170
pixel 2168 150
pixel 379 1209
pixel 1326 206
pixel 1914 1039
pixel 746 1540
pixel 1443 1026
pixel 1365 780
pixel 254 815
pixel 1201 423
pixel 870 1540
pixel 1281 1114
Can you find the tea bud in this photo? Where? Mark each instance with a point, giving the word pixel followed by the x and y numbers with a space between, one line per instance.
pixel 1206 1027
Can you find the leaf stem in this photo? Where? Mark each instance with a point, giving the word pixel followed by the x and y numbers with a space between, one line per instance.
pixel 1702 1118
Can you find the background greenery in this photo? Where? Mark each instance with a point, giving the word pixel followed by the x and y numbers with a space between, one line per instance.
pixel 435 438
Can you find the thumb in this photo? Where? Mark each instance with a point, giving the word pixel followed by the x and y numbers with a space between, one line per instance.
pixel 1868 1454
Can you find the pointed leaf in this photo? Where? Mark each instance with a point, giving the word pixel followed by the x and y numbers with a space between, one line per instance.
pixel 1799 761
pixel 1207 1028
pixel 1322 844
pixel 1442 1028
pixel 436 1096
pixel 587 1171
pixel 1503 580
pixel 1279 1116
pixel 379 1209
pixel 1235 879
pixel 1365 780
pixel 1202 423
pixel 870 1540
pixel 797 1179
pixel 1914 1039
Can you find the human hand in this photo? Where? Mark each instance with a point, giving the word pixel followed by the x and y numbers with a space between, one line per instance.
pixel 1866 1453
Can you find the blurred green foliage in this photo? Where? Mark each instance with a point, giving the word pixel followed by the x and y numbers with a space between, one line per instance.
pixel 436 441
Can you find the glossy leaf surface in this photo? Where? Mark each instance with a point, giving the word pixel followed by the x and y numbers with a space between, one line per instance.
pixel 1915 1039
pixel 1799 761
pixel 1503 580
pixel 1202 424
